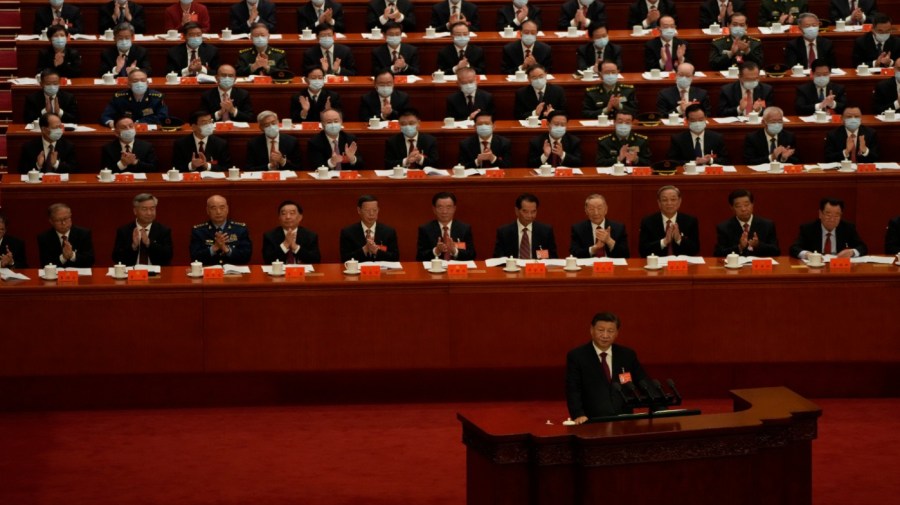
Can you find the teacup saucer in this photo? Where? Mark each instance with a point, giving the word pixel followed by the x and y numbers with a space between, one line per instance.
pixel 348 272
pixel 272 274
pixel 194 276
pixel 821 265
pixel 438 271
pixel 657 267
pixel 567 269
pixel 512 271
pixel 119 278
pixel 735 267
pixel 49 278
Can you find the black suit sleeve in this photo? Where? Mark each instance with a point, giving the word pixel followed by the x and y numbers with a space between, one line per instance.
pixel 892 237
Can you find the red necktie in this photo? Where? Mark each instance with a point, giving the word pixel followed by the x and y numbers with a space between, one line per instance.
pixel 337 166
pixel 599 249
pixel 368 236
pixel 290 258
pixel 50 105
pixel 605 366
pixel 527 52
pixel 669 67
pixel 811 56
pixel 395 55
pixel 143 256
pixel 746 228
pixel 855 148
pixel 127 148
pixel 48 167
pixel 446 240
pixel 471 103
pixel 412 146
pixel 525 245
pixel 554 159
pixel 200 149
pixel 826 249
pixel 671 249
pixel 272 150
pixel 225 115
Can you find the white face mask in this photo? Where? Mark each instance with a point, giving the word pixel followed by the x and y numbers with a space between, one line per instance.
pixel 207 129
pixel 271 131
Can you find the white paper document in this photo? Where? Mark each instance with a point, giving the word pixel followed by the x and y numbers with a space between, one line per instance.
pixel 386 265
pixel 692 260
pixel 470 264
pixel 62 177
pixel 587 262
pixel 82 272
pixel 7 274
pixel 230 269
pixel 268 268
pixel 575 171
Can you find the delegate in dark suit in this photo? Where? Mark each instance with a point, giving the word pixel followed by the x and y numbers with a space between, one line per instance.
pixel 308 18
pixel 836 142
pixel 728 238
pixel 395 150
pixel 885 96
pixel 471 147
pixel 376 9
pixel 312 58
pixel 637 12
pixel 35 104
pixel 17 248
pixel 203 236
pixel 107 22
pixel 596 13
pixel 177 58
pixel 840 9
pixel 458 109
pixel 143 151
pixel 50 248
pixel 215 148
pixel 159 252
pixel 891 237
pixel 440 15
pixel 731 95
pixel 318 151
pixel 583 239
pixel 448 57
pixel 845 237
pixel 756 147
pixel 653 231
pixel 541 237
pixel 258 152
pixel 514 56
pixel 588 393
pixel 797 51
pixel 865 49
pixel 137 55
pixel 382 59
pixel 430 234
pixel 653 48
pixel 586 55
pixel 211 101
pixel 506 16
pixel 70 67
pixel 668 98
pixel 306 239
pixel 353 239
pixel 571 146
pixel 65 152
pixel 527 100
pixel 681 147
pixel 808 98
pixel 43 18
pixel 709 12
pixel 315 107
pixel 370 105
pixel 240 12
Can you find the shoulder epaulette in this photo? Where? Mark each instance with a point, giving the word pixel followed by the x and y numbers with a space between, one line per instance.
pixel 276 50
pixel 641 136
pixel 595 88
pixel 247 50
pixel 626 85
pixel 155 94
pixel 201 225
pixel 608 135
pixel 122 93
pixel 239 224
pixel 753 38
pixel 723 37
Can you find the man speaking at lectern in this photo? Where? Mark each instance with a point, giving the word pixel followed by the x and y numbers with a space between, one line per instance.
pixel 591 370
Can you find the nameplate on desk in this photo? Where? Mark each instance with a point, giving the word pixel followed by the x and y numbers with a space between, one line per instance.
pixel 401 79
pixel 415 174
pixel 213 273
pixel 271 176
pixel 793 169
pixel 563 172
pixel 349 174
pixel 141 127
pixel 714 170
pixel 641 171
pixel 535 269
pixel 761 265
pixel 677 266
pixel 68 277
pixel 294 273
pixel 887 71
pixel 51 179
pixel 459 269
pixel 188 80
pixel 124 177
pixel 138 275
pixel 370 270
pixel 191 176
pixel 603 267
pixel 393 125
pixel 495 174
pixel 309 125
pixel 224 127
pixel 840 264
pixel 122 81
pixel 333 79
pixel 794 29
pixel 262 79
pixel 866 167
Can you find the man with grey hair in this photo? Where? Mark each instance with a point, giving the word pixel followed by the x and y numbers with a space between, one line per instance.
pixel 771 142
pixel 809 47
pixel 272 150
pixel 143 241
pixel 669 232
pixel 596 236
pixel 65 245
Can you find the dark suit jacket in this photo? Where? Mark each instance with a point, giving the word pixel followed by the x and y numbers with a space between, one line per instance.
pixel 596 13
pixel 106 21
pixel 448 57
pixel 653 230
pixel 17 247
pixel 395 150
pixel 459 110
pixel 571 146
pixel 177 58
pixel 470 148
pixel 68 162
pixel 836 142
pixel 728 238
pixel 237 18
pixel 637 12
pixel 376 9
pixel 506 16
pixel 840 9
pixel 681 147
pixel 885 95
pixel 312 56
pixel 215 147
pixel 668 98
pixel 315 109
pixel 306 16
pixel 306 239
pixel 709 12
pixel 652 50
pixel 370 105
pixel 35 102
pixel 891 237
pixel 382 60
pixel 526 100
pixel 808 97
pixel 507 243
pixel 112 153
pixel 796 51
pixel 50 248
pixel 258 152
pixel 756 147
pixel 583 239
pixel 731 94
pixel 136 54
pixel 318 150
pixel 845 237
pixel 43 18
pixel 430 234
pixel 440 15
pixel 159 251
pixel 513 56
pixel 353 240
pixel 587 55
pixel 211 100
pixel 587 391
pixel 71 65
pixel 865 50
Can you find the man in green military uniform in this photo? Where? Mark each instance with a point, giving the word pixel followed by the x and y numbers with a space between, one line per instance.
pixel 736 47
pixel 781 11
pixel 623 146
pixel 220 240
pixel 142 105
pixel 261 59
pixel 609 96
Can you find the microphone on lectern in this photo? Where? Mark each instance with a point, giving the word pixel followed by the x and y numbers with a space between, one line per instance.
pixel 671 384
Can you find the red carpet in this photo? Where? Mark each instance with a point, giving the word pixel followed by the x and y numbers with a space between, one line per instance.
pixel 360 454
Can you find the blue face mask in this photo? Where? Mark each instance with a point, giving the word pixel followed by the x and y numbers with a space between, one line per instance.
pixel 667 33
pixel 393 40
pixel 207 129
pixel 520 3
pixel 470 88
pixel 139 88
pixel 326 42
pixel 384 91
pixel 697 126
pixel 123 45
pixel 56 3
pixel 461 41
pixel 529 39
pixel 610 79
pixel 774 128
pixel 194 42
pixel 557 131
pixel 539 83
pixel 127 136
pixel 852 123
pixel 601 42
pixel 409 130
pixel 58 42
pixel 55 133
pixel 484 130
pixel 186 2
pixel 271 131
pixel 586 3
pixel 750 85
pixel 811 32
pixel 226 82
pixel 260 42
pixel 683 82
pixel 51 89
pixel 316 84
pixel 821 80
pixel 333 129
pixel 623 130
pixel 738 32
